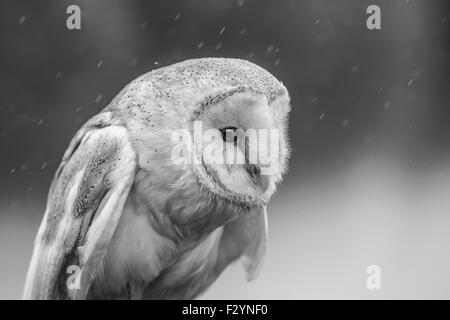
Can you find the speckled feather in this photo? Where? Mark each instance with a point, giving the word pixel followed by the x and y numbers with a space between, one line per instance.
pixel 201 76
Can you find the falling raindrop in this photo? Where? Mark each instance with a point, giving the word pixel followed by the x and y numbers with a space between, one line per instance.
pixel 345 122
pixel 270 49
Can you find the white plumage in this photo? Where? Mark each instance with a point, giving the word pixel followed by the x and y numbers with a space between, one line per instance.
pixel 138 225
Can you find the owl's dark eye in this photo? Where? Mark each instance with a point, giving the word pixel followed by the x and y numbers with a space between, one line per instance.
pixel 229 134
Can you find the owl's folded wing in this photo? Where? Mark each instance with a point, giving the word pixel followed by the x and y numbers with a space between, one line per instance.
pixel 84 205
pixel 245 237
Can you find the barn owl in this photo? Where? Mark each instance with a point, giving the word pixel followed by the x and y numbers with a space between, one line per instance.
pixel 123 220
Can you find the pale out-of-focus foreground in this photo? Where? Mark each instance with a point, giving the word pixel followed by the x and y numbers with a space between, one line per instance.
pixel 369 179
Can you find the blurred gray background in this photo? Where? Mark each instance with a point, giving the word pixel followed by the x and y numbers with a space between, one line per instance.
pixel 369 179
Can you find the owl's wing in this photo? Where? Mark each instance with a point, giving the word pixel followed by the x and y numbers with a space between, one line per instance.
pixel 245 237
pixel 84 205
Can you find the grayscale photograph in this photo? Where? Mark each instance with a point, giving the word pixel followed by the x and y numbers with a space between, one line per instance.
pixel 218 150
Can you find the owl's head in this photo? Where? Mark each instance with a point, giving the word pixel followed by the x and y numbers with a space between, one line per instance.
pixel 241 147
pixel 221 121
pixel 239 131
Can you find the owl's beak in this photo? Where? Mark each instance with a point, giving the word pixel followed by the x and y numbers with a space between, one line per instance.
pixel 254 172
